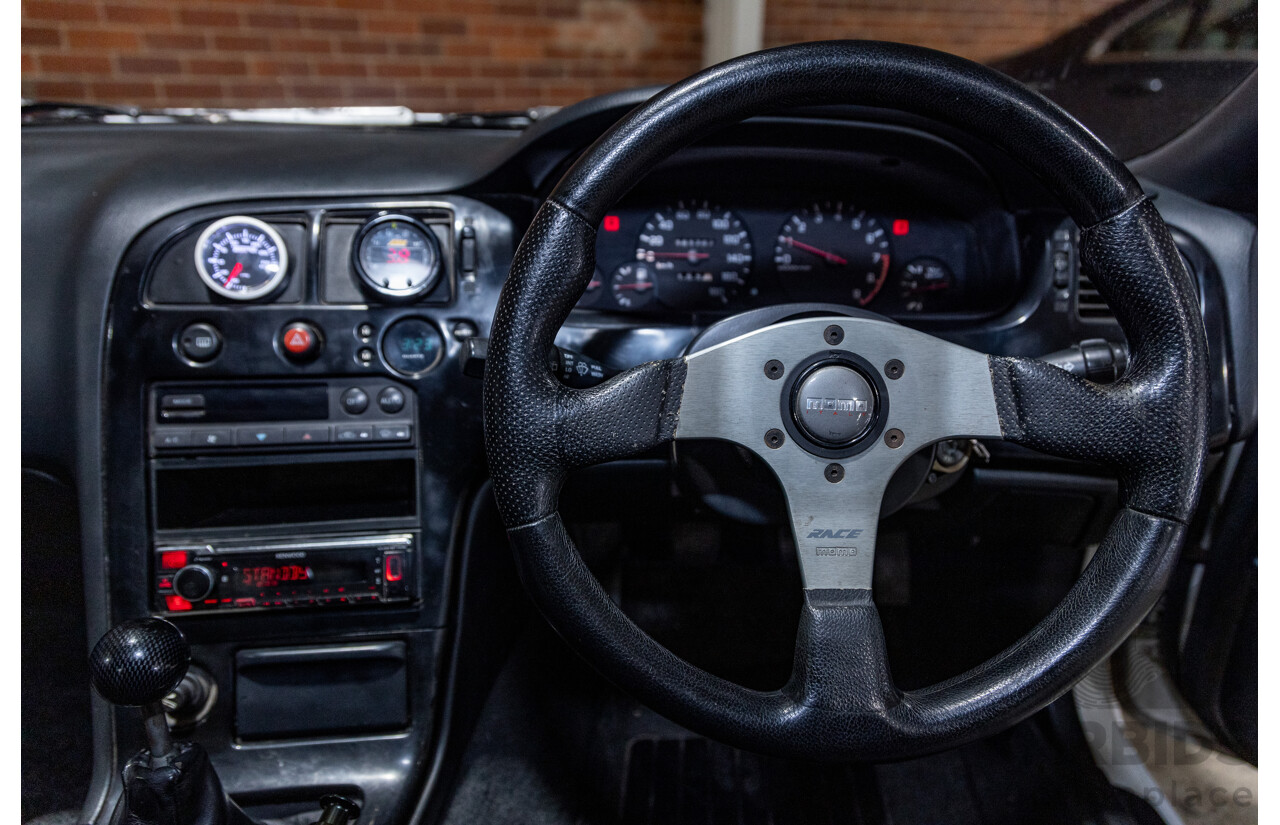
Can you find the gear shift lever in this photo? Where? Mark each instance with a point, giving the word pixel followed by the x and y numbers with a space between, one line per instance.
pixel 138 663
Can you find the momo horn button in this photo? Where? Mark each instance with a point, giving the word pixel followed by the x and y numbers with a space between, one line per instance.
pixel 834 405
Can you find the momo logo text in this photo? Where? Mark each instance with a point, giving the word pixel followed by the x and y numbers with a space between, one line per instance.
pixel 835 405
pixel 835 534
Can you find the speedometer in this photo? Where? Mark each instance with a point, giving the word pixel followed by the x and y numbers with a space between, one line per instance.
pixel 832 252
pixel 701 254
pixel 241 258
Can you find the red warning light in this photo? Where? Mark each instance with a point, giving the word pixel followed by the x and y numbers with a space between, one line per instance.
pixel 612 223
pixel 901 227
pixel 394 568
pixel 176 603
pixel 173 559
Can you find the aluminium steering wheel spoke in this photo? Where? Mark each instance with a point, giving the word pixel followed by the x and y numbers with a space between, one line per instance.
pixel 834 406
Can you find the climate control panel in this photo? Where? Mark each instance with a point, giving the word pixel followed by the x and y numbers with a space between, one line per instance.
pixel 308 414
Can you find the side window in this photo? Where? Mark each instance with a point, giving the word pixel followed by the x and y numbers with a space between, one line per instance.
pixel 1226 26
pixel 1187 28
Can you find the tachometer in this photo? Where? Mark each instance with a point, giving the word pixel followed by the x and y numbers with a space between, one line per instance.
pixel 700 252
pixel 241 258
pixel 831 252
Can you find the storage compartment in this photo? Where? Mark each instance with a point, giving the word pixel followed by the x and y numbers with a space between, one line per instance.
pixel 314 691
pixel 206 494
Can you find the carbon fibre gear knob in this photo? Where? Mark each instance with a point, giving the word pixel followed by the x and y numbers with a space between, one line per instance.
pixel 139 661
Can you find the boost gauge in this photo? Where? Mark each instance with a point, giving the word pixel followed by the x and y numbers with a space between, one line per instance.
pixel 241 258
pixel 397 257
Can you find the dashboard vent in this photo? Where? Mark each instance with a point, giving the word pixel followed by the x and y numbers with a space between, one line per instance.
pixel 1090 305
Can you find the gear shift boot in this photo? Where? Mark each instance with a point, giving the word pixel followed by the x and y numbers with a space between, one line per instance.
pixel 180 788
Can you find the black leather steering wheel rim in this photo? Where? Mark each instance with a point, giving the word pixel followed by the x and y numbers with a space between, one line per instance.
pixel 1150 427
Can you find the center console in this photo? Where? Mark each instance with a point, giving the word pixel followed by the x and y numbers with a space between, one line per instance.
pixel 284 382
pixel 225 460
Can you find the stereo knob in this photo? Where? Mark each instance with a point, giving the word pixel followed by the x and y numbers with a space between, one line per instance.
pixel 193 582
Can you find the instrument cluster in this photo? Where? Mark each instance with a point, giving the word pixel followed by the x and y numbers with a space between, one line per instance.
pixel 699 256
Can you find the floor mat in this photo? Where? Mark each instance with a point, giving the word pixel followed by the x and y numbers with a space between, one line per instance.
pixel 1026 774
pixel 693 781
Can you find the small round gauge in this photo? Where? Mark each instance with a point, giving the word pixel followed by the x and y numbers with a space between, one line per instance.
pixel 241 258
pixel 830 251
pixel 702 253
pixel 397 257
pixel 632 285
pixel 592 291
pixel 411 346
pixel 922 279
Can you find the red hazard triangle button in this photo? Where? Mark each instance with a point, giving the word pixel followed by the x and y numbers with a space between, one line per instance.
pixel 299 340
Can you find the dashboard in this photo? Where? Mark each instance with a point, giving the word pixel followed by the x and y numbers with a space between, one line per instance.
pixel 272 359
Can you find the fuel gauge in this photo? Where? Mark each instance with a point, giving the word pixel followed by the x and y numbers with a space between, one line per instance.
pixel 592 291
pixel 922 281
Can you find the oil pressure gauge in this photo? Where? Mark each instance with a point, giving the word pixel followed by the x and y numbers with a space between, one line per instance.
pixel 397 257
pixel 241 258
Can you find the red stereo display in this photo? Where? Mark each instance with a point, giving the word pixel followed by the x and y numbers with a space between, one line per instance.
pixel 319 572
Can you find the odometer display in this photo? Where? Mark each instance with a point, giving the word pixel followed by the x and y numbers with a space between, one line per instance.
pixel 701 254
pixel 830 250
pixel 241 258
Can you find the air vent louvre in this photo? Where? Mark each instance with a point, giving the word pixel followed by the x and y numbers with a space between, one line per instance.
pixel 1090 305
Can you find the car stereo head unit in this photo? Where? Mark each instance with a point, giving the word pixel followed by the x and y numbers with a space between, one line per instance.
pixel 319 572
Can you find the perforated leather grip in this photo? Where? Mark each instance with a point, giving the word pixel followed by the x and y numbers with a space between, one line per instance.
pixel 536 428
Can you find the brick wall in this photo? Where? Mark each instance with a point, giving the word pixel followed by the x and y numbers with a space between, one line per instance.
pixel 426 54
pixel 449 55
pixel 977 29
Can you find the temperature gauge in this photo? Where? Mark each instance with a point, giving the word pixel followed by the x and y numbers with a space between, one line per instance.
pixel 922 280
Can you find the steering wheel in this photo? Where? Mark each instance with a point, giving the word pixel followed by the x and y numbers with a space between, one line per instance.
pixel 835 404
